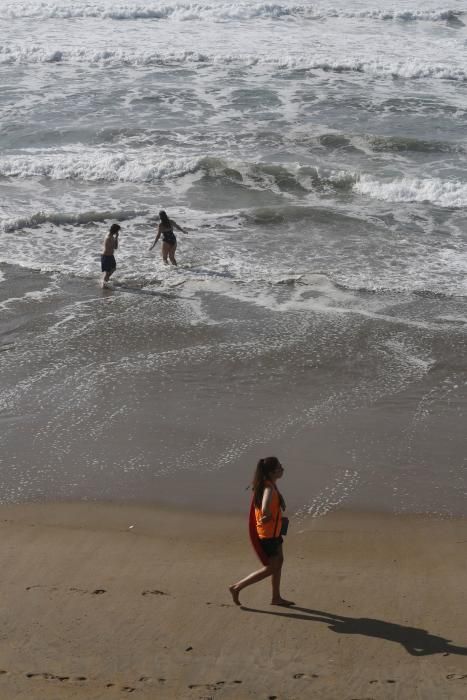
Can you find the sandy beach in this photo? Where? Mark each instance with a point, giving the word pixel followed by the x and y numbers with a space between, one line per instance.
pixel 105 601
pixel 315 156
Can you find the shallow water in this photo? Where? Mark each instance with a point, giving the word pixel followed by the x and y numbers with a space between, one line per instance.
pixel 317 156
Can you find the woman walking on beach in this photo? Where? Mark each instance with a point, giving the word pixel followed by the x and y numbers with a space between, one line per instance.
pixel 169 240
pixel 268 505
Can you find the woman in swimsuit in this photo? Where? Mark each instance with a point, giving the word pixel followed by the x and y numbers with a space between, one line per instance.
pixel 169 240
pixel 269 504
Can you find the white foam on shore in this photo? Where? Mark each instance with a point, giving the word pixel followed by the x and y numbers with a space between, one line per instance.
pixel 332 496
pixel 36 295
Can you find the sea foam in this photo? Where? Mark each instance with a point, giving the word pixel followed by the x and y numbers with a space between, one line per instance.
pixel 410 69
pixel 220 12
pixel 439 192
pixel 95 167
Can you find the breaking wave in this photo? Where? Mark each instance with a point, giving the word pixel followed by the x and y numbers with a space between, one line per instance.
pixel 95 167
pixel 376 68
pixel 223 12
pixel 112 167
pixel 63 218
pixel 439 192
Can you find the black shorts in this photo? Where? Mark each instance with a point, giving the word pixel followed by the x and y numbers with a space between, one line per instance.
pixel 108 263
pixel 271 545
pixel 169 238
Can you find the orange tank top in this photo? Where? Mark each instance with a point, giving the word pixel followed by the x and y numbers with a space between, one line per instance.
pixel 272 527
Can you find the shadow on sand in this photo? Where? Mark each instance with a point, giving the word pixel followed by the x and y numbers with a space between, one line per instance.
pixel 416 642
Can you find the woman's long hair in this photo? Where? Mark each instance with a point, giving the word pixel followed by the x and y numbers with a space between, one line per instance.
pixel 165 221
pixel 263 471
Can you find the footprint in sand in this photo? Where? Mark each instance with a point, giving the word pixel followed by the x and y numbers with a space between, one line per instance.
pixel 205 686
pixel 212 686
pixel 124 689
pixel 305 675
pixel 149 680
pixel 456 676
pixel 53 677
pixel 39 585
pixel 222 605
pixel 73 589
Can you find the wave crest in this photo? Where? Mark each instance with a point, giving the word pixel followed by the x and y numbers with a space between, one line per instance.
pixel 442 193
pixel 110 167
pixel 402 144
pixel 224 12
pixel 113 167
pixel 378 69
pixel 75 219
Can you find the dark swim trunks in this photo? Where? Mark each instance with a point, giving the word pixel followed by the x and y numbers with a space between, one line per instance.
pixel 108 263
pixel 271 545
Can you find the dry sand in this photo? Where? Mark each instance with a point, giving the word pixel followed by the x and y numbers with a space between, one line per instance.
pixel 106 601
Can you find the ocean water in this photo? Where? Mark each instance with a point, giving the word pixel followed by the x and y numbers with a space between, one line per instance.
pixel 317 154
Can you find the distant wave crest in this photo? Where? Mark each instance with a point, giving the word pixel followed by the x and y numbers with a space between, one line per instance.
pixel 402 144
pixel 221 12
pixel 375 68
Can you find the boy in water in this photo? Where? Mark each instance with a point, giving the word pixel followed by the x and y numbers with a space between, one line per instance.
pixel 108 264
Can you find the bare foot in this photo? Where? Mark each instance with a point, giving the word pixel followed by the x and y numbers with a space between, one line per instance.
pixel 235 595
pixel 282 601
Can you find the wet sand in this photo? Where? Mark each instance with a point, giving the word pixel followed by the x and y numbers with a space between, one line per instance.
pixel 105 601
pixel 136 395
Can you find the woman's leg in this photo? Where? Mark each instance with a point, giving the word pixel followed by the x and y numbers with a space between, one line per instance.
pixel 277 599
pixel 172 250
pixel 165 250
pixel 268 570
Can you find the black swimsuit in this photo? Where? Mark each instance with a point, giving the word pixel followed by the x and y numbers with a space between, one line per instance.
pixel 169 237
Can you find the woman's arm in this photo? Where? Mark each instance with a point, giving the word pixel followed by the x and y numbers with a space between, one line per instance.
pixel 157 237
pixel 265 505
pixel 179 228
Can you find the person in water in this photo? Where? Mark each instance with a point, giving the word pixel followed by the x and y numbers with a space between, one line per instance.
pixel 108 264
pixel 268 505
pixel 169 240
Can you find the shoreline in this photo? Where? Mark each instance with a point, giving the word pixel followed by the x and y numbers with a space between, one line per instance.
pixel 356 419
pixel 105 600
